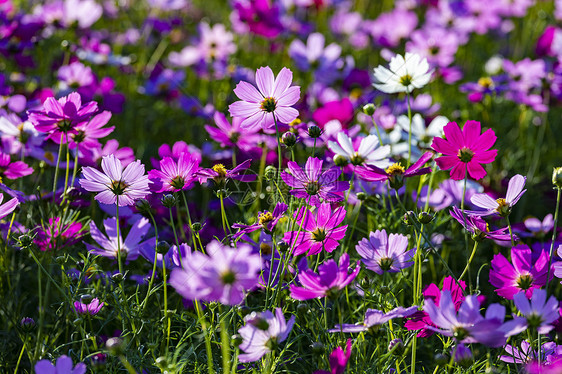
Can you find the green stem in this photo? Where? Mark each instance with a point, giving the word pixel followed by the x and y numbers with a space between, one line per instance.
pixel 57 168
pixel 409 132
pixel 127 365
pixel 21 354
pixel 166 315
pixel 553 237
pixel 172 223
pixel 203 323
pixel 510 232
pixel 189 221
pixel 467 267
pixel 225 342
pixel 119 262
pixel 279 156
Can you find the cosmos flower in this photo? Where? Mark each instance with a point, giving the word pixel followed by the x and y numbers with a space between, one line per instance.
pixel 172 258
pixel 13 170
pixel 374 317
pixel 526 353
pixel 467 325
pixel 501 206
pixel 58 235
pixel 224 275
pixel 232 135
pixel 330 279
pixel 63 365
pixel 395 173
pixel 406 73
pixel 310 184
pixel 368 152
pixel 262 333
pixel 8 207
pixel 266 221
pixel 108 244
pixel 466 150
pixel 220 174
pixel 338 360
pixel 273 98
pixel 479 228
pixel 385 253
pixel 537 313
pixel 91 308
pixel 86 134
pixel 175 175
pixel 115 184
pixel 319 231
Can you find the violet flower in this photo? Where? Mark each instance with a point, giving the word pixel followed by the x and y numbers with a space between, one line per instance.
pixel 319 231
pixel 58 235
pixel 375 318
pixel 500 206
pixel 86 134
pixel 266 221
pixel 224 275
pixel 272 100
pixel 537 313
pixel 262 333
pixel 312 184
pixel 528 272
pixel 116 185
pixel 8 207
pixel 330 279
pixel 63 365
pixel 385 253
pixel 91 308
pixel 175 175
pixel 467 325
pixel 220 174
pixel 109 244
pixel 232 135
pixel 338 360
pixel 171 259
pixel 479 228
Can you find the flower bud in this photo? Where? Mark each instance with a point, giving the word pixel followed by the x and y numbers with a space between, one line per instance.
pixel 117 277
pixel 162 247
pixel 114 346
pixel 243 310
pixel 441 359
pixel 282 246
pixel 27 324
pixel 196 226
pixel 557 177
pixel 289 139
pixel 369 109
pixel 302 309
pixel 409 218
pixel 236 340
pixel 86 299
pixel 463 355
pixel 317 348
pixel 270 172
pixel 25 240
pixel 383 290
pixel 168 200
pixel 314 131
pixel 362 196
pixel 98 360
pixel 143 206
pixel 341 161
pixel 396 346
pixel 425 217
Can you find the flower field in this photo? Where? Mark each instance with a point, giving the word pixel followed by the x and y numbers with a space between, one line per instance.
pixel 280 186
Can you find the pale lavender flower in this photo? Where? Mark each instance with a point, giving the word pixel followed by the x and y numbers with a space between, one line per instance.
pixel 8 207
pixel 501 206
pixel 262 333
pixel 537 313
pixel 385 253
pixel 369 151
pixel 63 365
pixel 374 318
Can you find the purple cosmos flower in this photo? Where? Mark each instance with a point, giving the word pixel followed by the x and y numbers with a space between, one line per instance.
pixel 375 318
pixel 537 313
pixel 368 152
pixel 338 360
pixel 382 252
pixel 324 60
pixel 115 184
pixel 311 185
pixel 266 220
pixel 538 228
pixel 62 115
pixel 91 308
pixel 55 235
pixel 262 332
pixel 500 206
pixel 172 258
pixel 330 279
pixel 395 173
pixel 8 207
pixel 437 44
pixel 260 17
pixel 526 353
pixel 479 228
pixel 467 325
pixel 86 134
pixel 319 231
pixel 175 175
pixel 232 135
pixel 63 365
pixel 19 136
pixel 528 272
pixel 463 355
pixel 75 75
pixel 221 175
pixel 272 100
pixel 13 170
pixel 108 244
pixel 224 275
pixel 465 150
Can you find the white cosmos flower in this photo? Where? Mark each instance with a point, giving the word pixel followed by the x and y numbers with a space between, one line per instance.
pixel 405 74
pixel 368 152
pixel 420 133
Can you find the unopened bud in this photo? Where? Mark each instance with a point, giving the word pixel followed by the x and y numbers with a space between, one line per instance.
pixel 340 161
pixel 143 206
pixel 369 109
pixel 162 247
pixel 169 201
pixel 270 172
pixel 86 299
pixel 27 324
pixel 396 346
pixel 314 131
pixel 557 177
pixel 409 218
pixel 289 139
pixel 425 217
pixel 114 346
pixel 317 348
pixel 196 226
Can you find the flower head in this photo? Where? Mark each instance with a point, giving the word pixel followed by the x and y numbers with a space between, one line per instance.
pixel 368 152
pixel 385 253
pixel 266 221
pixel 465 150
pixel 115 184
pixel 319 231
pixel 224 275
pixel 537 313
pixel 406 73
pixel 63 365
pixel 57 235
pixel 91 308
pixel 501 206
pixel 312 184
pixel 272 98
pixel 331 278
pixel 262 333
pixel 175 175
pixel 479 228
pixel 395 173
pixel 338 360
pixel 220 174
pixel 375 318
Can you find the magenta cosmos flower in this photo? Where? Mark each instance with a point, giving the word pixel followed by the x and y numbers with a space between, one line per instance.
pixel 13 170
pixel 319 231
pixel 115 184
pixel 330 279
pixel 526 272
pixel 338 360
pixel 312 184
pixel 271 101
pixel 175 175
pixel 501 206
pixel 224 275
pixel 375 317
pixel 479 228
pixel 465 150
pixel 220 174
pixel 8 207
pixel 91 308
pixel 266 221
pixel 385 253
pixel 395 173
pixel 233 135
pixel 262 332
pixel 63 365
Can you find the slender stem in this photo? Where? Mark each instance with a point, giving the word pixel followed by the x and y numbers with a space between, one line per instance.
pixel 510 232
pixel 203 323
pixel 314 148
pixel 279 156
pixel 21 354
pixel 189 220
pixel 150 283
pixel 118 236
pixel 467 267
pixel 166 315
pixel 225 223
pixel 75 169
pixel 553 237
pixel 225 342
pixel 67 171
pixel 377 129
pixel 174 228
pixel 410 131
pixel 57 167
pixel 127 365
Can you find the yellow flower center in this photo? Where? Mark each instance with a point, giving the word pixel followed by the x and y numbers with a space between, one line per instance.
pixel 268 104
pixel 319 235
pixel 525 281
pixel 118 187
pixel 295 122
pixel 264 218
pixel 465 154
pixel 486 82
pixel 406 80
pixel 220 170
pixel 395 169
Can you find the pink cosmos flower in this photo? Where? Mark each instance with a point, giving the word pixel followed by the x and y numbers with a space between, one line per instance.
pixel 87 133
pixel 91 308
pixel 221 175
pixel 266 220
pixel 8 207
pixel 272 98
pixel 338 360
pixel 320 230
pixel 115 184
pixel 500 206
pixel 385 253
pixel 13 170
pixel 55 235
pixel 526 272
pixel 232 135
pixel 465 150
pixel 375 317
pixel 331 278
pixel 175 175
